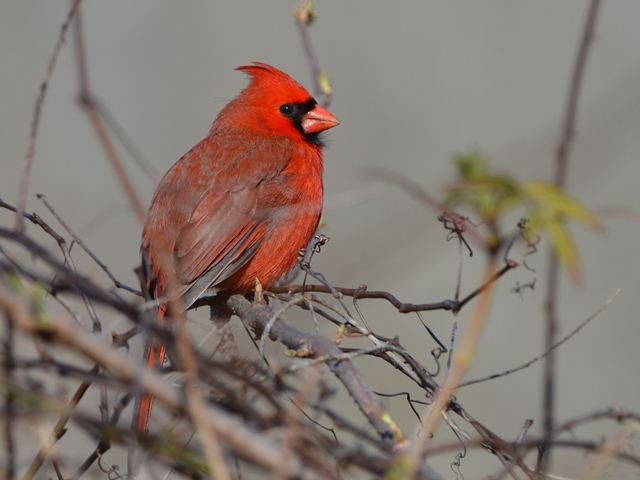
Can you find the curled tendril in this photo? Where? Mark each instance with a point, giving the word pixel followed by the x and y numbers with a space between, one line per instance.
pixel 112 472
pixel 456 225
pixel 531 240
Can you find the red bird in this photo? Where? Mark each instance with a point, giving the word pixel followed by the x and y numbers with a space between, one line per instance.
pixel 240 205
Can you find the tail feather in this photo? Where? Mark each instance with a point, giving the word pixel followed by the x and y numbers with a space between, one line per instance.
pixel 155 356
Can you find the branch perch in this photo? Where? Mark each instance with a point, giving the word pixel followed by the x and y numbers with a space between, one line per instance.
pixel 257 317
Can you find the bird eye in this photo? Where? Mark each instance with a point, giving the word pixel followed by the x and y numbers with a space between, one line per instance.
pixel 287 109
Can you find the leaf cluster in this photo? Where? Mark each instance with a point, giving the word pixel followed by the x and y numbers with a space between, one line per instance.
pixel 492 195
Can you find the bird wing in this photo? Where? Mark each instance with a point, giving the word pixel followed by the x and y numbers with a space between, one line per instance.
pixel 229 220
pixel 222 235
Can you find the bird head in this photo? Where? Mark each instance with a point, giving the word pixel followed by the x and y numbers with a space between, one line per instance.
pixel 274 103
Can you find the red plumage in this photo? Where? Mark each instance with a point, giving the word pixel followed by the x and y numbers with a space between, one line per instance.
pixel 241 204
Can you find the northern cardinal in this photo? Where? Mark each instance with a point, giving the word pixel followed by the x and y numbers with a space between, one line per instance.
pixel 240 205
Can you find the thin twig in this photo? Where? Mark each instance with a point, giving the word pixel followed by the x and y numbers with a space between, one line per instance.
pixel 117 283
pixel 567 135
pixel 609 449
pixel 303 344
pixel 66 278
pixel 6 379
pixel 195 402
pixel 35 121
pixel 616 414
pixel 37 220
pixel 59 429
pixel 304 15
pixel 402 307
pixel 529 444
pixel 564 339
pixel 265 332
pixel 416 191
pixel 337 357
pixel 229 428
pixel 122 136
pixel 508 464
pixel 86 101
pixel 462 360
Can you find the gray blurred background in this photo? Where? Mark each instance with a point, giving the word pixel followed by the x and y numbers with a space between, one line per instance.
pixel 414 83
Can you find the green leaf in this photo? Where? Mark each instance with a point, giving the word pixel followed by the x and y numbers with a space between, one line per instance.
pixel 490 195
pixel 191 460
pixel 565 249
pixel 471 164
pixel 398 468
pixel 325 84
pixel 549 196
pixel 13 282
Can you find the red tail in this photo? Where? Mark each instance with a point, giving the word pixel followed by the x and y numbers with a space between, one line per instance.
pixel 155 356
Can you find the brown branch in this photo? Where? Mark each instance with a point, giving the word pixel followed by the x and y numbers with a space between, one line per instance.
pixel 462 360
pixel 609 448
pixel 207 375
pixel 402 307
pixel 86 101
pixel 257 317
pixel 195 404
pixel 117 283
pixel 567 136
pixel 165 450
pixel 37 220
pixel 422 196
pixel 121 135
pixel 304 16
pixel 616 414
pixel 35 122
pixel 6 379
pixel 245 442
pixel 529 444
pixel 59 429
pixel 66 278
pixel 559 343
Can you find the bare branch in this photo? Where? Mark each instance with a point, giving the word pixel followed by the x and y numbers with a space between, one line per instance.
pixel 564 339
pixel 86 101
pixel 402 307
pixel 59 429
pixel 117 283
pixel 229 428
pixel 35 121
pixel 305 15
pixel 562 159
pixel 462 360
pixel 306 345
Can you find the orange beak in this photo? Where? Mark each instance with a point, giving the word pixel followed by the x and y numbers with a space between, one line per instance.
pixel 318 120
